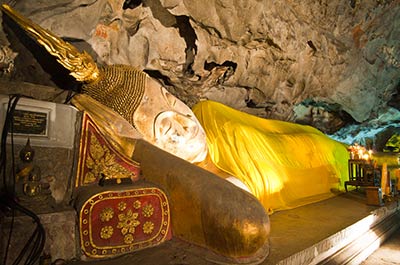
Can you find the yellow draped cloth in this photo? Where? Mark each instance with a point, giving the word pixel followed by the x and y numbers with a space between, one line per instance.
pixel 285 165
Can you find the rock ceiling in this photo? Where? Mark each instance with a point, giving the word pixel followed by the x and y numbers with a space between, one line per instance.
pixel 315 62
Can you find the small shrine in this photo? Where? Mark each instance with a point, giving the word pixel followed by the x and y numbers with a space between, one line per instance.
pixel 362 169
pixel 376 172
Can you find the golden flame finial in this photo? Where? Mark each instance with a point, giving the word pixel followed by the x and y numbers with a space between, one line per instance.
pixel 81 65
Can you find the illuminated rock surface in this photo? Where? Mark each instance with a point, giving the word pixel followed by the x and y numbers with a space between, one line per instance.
pixel 261 57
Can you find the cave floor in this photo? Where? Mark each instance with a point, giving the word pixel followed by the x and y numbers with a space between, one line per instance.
pixel 291 232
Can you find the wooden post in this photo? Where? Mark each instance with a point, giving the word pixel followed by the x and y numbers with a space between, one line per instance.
pixel 384 179
pixel 397 173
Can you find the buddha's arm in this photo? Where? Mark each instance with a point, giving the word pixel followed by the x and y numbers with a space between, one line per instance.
pixel 206 209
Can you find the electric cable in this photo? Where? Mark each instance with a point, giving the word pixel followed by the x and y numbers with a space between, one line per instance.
pixel 8 124
pixel 3 164
pixel 7 193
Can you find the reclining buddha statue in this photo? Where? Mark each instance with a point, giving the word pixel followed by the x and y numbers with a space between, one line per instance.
pixel 152 128
pixel 280 165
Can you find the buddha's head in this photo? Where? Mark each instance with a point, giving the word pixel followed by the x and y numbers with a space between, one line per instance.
pixel 169 124
pixel 160 117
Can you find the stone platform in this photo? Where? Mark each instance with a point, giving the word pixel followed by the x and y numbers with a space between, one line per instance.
pixel 340 230
pixel 343 229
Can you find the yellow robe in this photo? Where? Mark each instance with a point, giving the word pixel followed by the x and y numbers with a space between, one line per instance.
pixel 285 165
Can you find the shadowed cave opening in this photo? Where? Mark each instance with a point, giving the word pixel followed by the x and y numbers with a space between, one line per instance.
pixel 211 65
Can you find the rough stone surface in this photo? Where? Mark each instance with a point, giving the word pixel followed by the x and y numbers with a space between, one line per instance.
pixel 262 57
pixel 55 224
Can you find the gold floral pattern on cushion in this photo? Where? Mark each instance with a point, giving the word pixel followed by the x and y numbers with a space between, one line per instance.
pixel 101 162
pixel 99 159
pixel 148 227
pixel 106 232
pixel 148 210
pixel 106 214
pixel 128 239
pixel 136 204
pixel 115 222
pixel 121 206
pixel 128 222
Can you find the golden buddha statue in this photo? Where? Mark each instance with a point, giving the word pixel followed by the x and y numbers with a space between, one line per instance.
pixel 284 165
pixel 28 174
pixel 128 106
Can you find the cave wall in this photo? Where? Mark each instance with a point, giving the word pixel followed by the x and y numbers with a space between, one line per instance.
pixel 260 56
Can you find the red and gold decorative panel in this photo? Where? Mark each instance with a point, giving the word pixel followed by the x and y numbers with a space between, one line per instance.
pixel 97 157
pixel 116 222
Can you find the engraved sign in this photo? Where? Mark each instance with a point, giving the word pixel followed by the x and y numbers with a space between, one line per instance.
pixel 30 122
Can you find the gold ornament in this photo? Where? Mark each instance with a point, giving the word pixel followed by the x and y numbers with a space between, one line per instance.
pixel 81 65
pixel 102 162
pixel 106 214
pixel 148 227
pixel 148 210
pixel 121 206
pixel 137 204
pixel 128 239
pixel 119 87
pixel 106 232
pixel 128 222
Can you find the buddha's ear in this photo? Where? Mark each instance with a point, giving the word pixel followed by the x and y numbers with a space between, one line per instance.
pixel 81 65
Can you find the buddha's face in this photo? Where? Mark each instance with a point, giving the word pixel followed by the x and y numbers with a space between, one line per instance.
pixel 169 124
